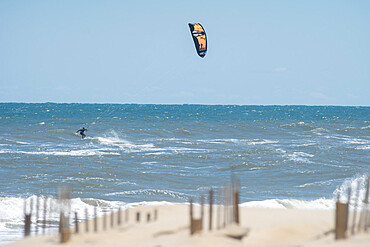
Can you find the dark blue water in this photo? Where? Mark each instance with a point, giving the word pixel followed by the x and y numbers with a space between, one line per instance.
pixel 143 153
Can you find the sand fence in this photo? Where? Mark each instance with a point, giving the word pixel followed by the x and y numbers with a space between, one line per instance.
pixel 351 216
pixel 349 221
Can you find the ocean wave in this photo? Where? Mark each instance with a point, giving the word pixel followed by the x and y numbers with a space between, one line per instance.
pixel 82 152
pixel 304 144
pixel 115 141
pixel 347 139
pixel 299 157
pixel 318 183
pixel 365 147
pixel 239 141
pixel 299 124
pixel 151 192
pixel 321 204
pixel 346 129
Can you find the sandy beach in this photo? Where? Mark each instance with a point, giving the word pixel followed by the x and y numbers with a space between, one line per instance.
pixel 259 227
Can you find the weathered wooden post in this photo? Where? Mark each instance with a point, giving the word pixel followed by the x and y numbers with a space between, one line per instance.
pixel 195 224
pixel 348 204
pixel 111 218
pixel 51 207
pixel 219 208
pixel 105 220
pixel 225 206
pixel 119 216
pixel 95 220
pixel 76 223
pixel 60 222
pixel 126 215
pixel 366 201
pixel 27 220
pixel 138 217
pixel 86 220
pixel 148 217
pixel 201 212
pixel 64 198
pixel 27 225
pixel 341 214
pixel 37 214
pixel 45 209
pixel 210 208
pixel 236 204
pixel 355 207
pixel 191 217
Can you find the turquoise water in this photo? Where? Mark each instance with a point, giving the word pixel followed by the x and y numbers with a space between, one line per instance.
pixel 285 155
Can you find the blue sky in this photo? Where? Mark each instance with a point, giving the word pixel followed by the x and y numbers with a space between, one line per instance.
pixel 259 52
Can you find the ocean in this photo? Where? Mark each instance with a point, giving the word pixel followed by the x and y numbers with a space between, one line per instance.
pixel 284 156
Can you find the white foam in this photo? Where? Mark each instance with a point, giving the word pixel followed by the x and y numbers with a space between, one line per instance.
pixel 239 141
pixel 299 157
pixel 81 152
pixel 355 141
pixel 150 192
pixel 113 140
pixel 320 183
pixel 357 185
pixel 261 142
pixel 322 204
pixel 365 147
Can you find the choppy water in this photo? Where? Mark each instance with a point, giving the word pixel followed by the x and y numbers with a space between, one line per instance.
pixel 284 156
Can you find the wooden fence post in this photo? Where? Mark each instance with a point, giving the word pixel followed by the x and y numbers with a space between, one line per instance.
pixel 236 206
pixel 45 209
pixel 111 218
pixel 37 215
pixel 210 208
pixel 341 214
pixel 27 225
pixel 191 217
pixel 219 208
pixel 126 215
pixel 355 207
pixel 119 216
pixel 95 220
pixel 201 212
pixel 27 220
pixel 148 217
pixel 138 217
pixel 348 204
pixel 105 220
pixel 366 206
pixel 86 220
pixel 76 223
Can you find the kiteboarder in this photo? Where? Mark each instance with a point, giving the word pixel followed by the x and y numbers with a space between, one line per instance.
pixel 82 132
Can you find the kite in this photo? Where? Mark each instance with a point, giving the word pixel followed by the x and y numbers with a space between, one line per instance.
pixel 199 37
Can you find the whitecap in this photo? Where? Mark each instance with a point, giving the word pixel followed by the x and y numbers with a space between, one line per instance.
pixel 299 157
pixel 365 147
pixel 321 203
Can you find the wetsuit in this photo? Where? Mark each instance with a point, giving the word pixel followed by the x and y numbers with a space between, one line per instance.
pixel 82 132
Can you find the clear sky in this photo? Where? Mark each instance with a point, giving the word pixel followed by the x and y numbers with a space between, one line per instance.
pixel 259 52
